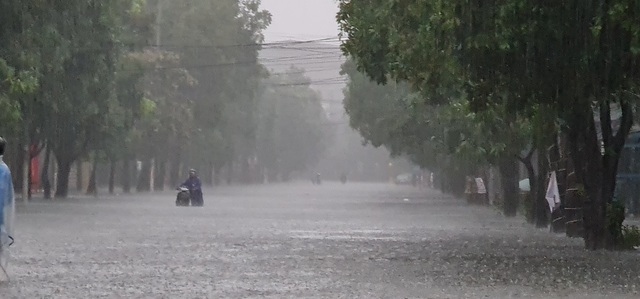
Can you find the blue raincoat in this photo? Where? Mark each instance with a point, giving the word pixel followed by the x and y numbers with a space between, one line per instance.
pixel 6 199
pixel 7 212
pixel 195 190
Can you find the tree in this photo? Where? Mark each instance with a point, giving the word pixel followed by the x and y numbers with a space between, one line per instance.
pixel 85 83
pixel 169 114
pixel 79 77
pixel 292 125
pixel 577 57
pixel 222 57
pixel 495 137
pixel 125 109
pixel 27 37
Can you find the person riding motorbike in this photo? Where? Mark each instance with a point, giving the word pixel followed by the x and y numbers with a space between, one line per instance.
pixel 195 188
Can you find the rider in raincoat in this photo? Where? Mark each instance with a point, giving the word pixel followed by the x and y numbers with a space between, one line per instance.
pixel 195 188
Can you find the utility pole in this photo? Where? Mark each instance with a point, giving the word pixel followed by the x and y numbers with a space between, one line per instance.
pixel 152 169
pixel 26 161
pixel 158 23
pixel 26 140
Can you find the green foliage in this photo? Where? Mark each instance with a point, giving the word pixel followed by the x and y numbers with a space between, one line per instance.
pixel 630 237
pixel 424 56
pixel 403 121
pixel 615 218
pixel 81 76
pixel 292 124
pixel 625 237
pixel 218 43
pixel 523 67
pixel 117 79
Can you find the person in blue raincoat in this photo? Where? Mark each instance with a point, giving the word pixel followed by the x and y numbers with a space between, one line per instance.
pixel 195 188
pixel 7 211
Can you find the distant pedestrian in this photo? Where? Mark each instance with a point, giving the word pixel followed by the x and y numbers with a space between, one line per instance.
pixel 7 211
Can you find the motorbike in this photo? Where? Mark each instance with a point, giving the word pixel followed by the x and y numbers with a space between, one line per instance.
pixel 183 198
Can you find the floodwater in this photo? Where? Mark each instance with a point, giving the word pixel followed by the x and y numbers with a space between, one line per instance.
pixel 301 241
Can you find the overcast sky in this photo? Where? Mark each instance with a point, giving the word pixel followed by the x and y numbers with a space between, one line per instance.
pixel 301 19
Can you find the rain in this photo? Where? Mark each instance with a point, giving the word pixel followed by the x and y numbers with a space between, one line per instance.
pixel 319 149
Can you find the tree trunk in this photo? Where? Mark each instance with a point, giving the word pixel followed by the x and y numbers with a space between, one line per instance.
pixel 79 175
pixel 541 205
pixel 26 161
pixel 26 165
pixel 594 211
pixel 588 168
pixel 442 181
pixel 229 172
pixel 62 185
pixel 144 181
pixel 160 175
pixel 245 173
pixel 46 183
pixel 533 185
pixel 112 176
pixel 510 185
pixel 208 174
pixel 19 174
pixel 216 175
pixel 126 175
pixel 92 188
pixel 613 219
pixel 602 231
pixel 175 174
pixel 286 176
pixel 272 175
pixel 29 179
pixel 558 220
pixel 263 175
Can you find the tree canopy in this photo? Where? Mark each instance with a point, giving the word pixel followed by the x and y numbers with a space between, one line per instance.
pixel 149 88
pixel 547 64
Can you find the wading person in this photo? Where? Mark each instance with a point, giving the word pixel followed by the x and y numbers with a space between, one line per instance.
pixel 195 188
pixel 7 210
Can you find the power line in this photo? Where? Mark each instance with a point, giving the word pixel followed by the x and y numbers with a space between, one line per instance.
pixel 268 62
pixel 308 83
pixel 326 80
pixel 280 43
pixel 308 49
pixel 250 63
pixel 327 58
pixel 317 55
pixel 306 71
pixel 110 45
pixel 334 123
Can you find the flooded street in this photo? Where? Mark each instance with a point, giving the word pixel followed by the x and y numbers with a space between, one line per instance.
pixel 301 241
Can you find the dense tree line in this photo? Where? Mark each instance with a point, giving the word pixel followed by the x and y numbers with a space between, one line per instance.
pixel 292 125
pixel 473 83
pixel 144 89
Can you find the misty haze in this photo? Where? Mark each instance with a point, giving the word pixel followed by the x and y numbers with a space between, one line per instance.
pixel 319 149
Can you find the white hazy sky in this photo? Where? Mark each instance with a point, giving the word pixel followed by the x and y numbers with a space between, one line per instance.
pixel 301 19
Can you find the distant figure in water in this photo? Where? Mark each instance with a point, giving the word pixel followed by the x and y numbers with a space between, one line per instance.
pixel 195 188
pixel 316 180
